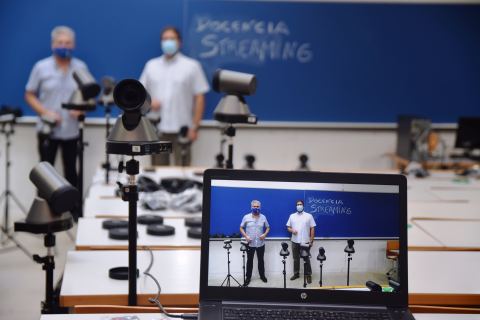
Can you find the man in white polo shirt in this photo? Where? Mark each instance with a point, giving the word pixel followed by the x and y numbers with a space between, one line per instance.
pixel 302 227
pixel 177 85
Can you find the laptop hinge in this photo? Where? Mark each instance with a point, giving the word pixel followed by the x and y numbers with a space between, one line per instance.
pixel 310 305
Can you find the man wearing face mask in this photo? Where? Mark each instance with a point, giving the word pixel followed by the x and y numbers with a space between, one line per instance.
pixel 255 228
pixel 50 84
pixel 302 227
pixel 177 85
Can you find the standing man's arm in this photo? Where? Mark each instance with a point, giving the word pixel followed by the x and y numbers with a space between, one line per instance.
pixel 198 110
pixel 312 235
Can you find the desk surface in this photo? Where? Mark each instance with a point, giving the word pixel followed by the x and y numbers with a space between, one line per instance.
pixel 444 277
pixel 452 234
pixel 86 278
pixel 435 278
pixel 116 208
pixel 91 236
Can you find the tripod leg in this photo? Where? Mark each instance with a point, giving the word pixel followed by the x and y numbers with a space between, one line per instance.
pixel 11 238
pixel 17 201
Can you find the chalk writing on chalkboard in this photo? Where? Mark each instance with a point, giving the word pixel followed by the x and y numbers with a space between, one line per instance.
pixel 250 39
pixel 327 207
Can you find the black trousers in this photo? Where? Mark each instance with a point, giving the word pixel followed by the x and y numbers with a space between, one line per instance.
pixel 296 260
pixel 261 266
pixel 48 148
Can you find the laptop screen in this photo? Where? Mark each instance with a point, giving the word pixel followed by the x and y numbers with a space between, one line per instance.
pixel 303 235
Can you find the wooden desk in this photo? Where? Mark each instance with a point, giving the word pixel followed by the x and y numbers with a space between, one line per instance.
pixel 91 236
pixel 420 240
pixel 86 280
pixel 402 163
pixel 444 278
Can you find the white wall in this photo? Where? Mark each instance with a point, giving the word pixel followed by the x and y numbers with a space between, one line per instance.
pixel 369 256
pixel 275 147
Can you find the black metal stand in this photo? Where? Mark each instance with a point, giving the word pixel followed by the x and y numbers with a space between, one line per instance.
pixel 284 272
pixel 348 268
pixel 244 274
pixel 81 148
pixel 321 274
pixel 130 194
pixel 230 132
pixel 304 272
pixel 7 129
pixel 226 282
pixel 51 303
pixel 107 165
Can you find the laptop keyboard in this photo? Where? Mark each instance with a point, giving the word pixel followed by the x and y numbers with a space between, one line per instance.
pixel 281 314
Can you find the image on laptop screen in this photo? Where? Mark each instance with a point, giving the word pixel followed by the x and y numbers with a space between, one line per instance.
pixel 328 236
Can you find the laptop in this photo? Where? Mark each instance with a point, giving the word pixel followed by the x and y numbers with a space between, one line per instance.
pixel 355 267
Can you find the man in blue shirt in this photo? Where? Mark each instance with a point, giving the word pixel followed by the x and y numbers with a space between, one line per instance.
pixel 254 228
pixel 50 84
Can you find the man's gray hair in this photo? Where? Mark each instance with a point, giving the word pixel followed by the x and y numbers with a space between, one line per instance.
pixel 62 30
pixel 255 202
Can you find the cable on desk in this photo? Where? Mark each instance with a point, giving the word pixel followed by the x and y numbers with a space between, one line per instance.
pixel 156 300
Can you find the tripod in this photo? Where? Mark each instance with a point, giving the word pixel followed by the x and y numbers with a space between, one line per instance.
pixel 226 282
pixel 243 258
pixel 81 149
pixel 305 262
pixel 107 165
pixel 230 132
pixel 348 268
pixel 284 261
pixel 321 274
pixel 130 194
pixel 51 303
pixel 8 130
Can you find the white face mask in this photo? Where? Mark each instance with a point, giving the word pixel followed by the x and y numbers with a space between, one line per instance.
pixel 299 208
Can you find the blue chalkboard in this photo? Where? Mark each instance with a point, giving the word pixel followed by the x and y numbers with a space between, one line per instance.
pixel 337 214
pixel 315 61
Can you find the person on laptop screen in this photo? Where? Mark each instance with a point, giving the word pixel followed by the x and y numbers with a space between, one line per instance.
pixel 254 228
pixel 302 227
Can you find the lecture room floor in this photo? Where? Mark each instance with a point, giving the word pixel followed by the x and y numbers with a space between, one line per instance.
pixel 22 281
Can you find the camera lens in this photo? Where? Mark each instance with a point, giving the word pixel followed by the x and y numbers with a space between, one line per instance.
pixel 130 96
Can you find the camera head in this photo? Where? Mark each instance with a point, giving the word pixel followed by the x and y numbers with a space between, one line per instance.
pixel 236 83
pixel 83 99
pixel 349 248
pixel 243 245
pixel 321 254
pixel 50 211
pixel 86 84
pixel 227 244
pixel 304 250
pixel 233 108
pixel 106 98
pixel 8 114
pixel 133 134
pixel 284 252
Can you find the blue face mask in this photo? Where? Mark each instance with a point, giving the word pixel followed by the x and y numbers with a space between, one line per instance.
pixel 256 210
pixel 64 53
pixel 169 47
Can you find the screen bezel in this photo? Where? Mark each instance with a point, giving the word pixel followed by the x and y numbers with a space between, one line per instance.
pixel 210 293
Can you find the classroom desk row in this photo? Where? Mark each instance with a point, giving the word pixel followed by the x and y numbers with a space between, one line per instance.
pixel 435 278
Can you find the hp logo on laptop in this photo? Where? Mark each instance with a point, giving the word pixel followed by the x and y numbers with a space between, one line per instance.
pixel 303 295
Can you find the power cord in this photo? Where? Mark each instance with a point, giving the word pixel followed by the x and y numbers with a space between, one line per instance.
pixel 156 300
